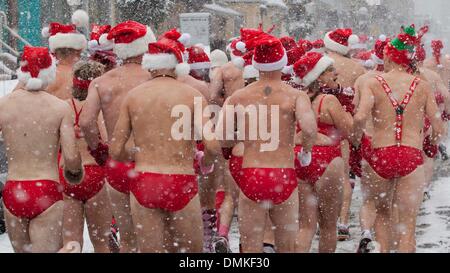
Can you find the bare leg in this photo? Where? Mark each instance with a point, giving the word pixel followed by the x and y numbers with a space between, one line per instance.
pixel 308 207
pixel 120 205
pixel 428 167
pixel 408 200
pixel 98 217
pixel 285 219
pixel 367 212
pixel 252 219
pixel 381 191
pixel 46 230
pixel 228 206
pixel 348 191
pixel 187 228
pixel 329 192
pixel 73 222
pixel 18 234
pixel 149 227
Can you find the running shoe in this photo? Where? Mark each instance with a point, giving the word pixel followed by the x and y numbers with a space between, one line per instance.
pixel 221 245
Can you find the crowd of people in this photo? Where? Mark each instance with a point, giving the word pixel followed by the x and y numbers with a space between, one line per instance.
pixel 120 128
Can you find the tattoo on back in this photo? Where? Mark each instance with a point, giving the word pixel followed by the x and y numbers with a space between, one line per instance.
pixel 267 90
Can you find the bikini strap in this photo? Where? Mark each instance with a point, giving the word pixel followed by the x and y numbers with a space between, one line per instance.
pixel 320 108
pixel 77 114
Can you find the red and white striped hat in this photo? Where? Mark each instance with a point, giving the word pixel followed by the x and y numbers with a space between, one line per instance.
pixel 310 67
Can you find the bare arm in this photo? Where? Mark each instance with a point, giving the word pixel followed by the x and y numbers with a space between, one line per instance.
pixel 366 104
pixel 226 137
pixel 342 119
pixel 89 117
pixel 73 169
pixel 121 135
pixel 305 116
pixel 211 143
pixel 433 113
pixel 216 87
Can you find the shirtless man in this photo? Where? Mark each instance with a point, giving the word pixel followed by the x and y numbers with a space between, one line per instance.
pixel 395 157
pixel 198 77
pixel 269 182
pixel 66 44
pixel 337 44
pixel 34 125
pixel 164 200
pixel 107 94
pixel 367 211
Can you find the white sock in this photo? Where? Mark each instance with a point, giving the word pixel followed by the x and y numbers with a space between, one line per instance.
pixel 366 234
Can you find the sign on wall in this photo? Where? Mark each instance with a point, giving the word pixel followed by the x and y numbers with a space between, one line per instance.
pixel 197 25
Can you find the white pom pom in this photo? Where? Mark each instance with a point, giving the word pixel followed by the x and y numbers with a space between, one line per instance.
pixel 182 69
pixel 369 64
pixel 241 47
pixel 34 84
pixel 353 39
pixel 382 38
pixel 238 62
pixel 288 70
pixel 103 40
pixel 185 39
pixel 440 66
pixel 45 32
pixel 93 44
pixel 80 18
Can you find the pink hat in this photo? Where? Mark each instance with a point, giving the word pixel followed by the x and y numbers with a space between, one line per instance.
pixel 340 40
pixel 310 67
pixel 168 53
pixel 37 68
pixel 130 39
pixel 198 59
pixel 270 54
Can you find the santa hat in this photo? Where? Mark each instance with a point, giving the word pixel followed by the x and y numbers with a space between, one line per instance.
pixel 197 58
pixel 305 44
pixel 340 40
pixel 309 68
pixel 288 42
pixel 218 58
pixel 318 46
pixel 168 53
pixel 362 42
pixel 130 39
pixel 37 68
pixel 232 49
pixel 378 50
pixel 250 71
pixel 365 59
pixel 67 36
pixel 437 47
pixel 293 55
pixel 270 54
pixel 99 41
pixel 401 49
pixel 105 57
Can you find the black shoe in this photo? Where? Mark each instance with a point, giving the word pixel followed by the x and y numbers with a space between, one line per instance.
pixel 364 246
pixel 221 245
pixel 269 248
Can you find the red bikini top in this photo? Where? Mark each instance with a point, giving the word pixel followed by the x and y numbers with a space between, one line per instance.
pixel 323 128
pixel 399 107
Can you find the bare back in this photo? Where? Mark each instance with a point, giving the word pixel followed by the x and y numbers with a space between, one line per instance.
pixel 150 107
pixel 444 71
pixel 269 94
pixel 62 87
pixel 384 115
pixel 30 123
pixel 225 81
pixel 358 88
pixel 437 86
pixel 200 86
pixel 114 86
pixel 348 70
